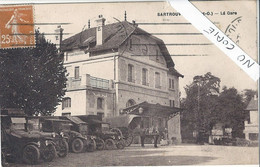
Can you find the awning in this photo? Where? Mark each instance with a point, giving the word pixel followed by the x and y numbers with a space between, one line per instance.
pixel 121 120
pixel 75 120
pixel 91 119
pixel 148 109
pixel 57 120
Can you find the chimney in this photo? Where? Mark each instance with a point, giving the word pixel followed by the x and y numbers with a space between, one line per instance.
pixel 100 23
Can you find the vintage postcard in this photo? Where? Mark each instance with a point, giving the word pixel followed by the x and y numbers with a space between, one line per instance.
pixel 129 83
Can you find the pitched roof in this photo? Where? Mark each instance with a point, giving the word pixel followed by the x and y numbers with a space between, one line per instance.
pixel 253 104
pixel 113 36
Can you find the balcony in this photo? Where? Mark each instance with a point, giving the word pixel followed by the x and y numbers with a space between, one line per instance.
pixel 87 81
pixel 99 83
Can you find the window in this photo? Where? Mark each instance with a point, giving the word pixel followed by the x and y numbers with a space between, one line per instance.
pixel 67 56
pixel 157 80
pixel 171 83
pixel 130 102
pixel 172 103
pixel 66 102
pixel 76 74
pixel 144 76
pixel 130 73
pixel 100 102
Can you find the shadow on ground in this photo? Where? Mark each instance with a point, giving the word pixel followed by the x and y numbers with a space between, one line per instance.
pixel 126 157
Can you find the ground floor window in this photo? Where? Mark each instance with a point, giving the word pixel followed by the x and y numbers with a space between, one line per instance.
pixel 100 103
pixel 130 102
pixel 253 136
pixel 66 114
pixel 172 103
pixel 66 102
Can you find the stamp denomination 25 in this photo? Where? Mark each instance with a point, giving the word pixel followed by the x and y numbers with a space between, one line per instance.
pixel 16 27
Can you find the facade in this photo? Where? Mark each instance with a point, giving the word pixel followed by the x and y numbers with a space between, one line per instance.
pixel 251 125
pixel 112 67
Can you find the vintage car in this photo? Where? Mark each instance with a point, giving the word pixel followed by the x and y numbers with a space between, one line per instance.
pixel 77 143
pixel 35 124
pixel 82 127
pixel 104 136
pixel 20 144
pixel 126 124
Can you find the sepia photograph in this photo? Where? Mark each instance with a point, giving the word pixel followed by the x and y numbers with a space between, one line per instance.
pixel 129 84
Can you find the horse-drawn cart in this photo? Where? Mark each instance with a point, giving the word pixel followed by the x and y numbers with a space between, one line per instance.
pixel 126 124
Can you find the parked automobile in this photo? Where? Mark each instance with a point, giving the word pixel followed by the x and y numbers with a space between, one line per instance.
pixel 109 139
pixel 82 127
pixel 77 143
pixel 126 124
pixel 20 144
pixel 60 141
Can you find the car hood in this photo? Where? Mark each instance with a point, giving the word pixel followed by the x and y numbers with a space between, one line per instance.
pixel 30 134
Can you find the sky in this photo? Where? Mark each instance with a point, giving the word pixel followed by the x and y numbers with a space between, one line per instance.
pixel 191 52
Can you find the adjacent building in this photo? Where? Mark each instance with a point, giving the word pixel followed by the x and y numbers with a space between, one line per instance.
pixel 112 67
pixel 251 124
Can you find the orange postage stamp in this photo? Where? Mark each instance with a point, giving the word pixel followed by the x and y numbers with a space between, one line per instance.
pixel 16 27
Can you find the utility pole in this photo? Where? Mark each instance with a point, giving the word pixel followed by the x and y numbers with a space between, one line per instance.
pixel 198 115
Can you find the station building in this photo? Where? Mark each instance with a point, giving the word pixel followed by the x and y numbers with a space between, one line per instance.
pixel 115 66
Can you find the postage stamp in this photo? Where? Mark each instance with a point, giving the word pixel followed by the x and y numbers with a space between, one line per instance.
pixel 16 26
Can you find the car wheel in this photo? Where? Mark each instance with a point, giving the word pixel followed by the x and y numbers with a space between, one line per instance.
pixel 63 148
pixel 49 153
pixel 91 145
pixel 31 154
pixel 77 145
pixel 129 139
pixel 121 144
pixel 100 144
pixel 110 144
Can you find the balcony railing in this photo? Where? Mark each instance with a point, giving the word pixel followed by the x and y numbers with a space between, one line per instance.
pixel 99 83
pixel 88 81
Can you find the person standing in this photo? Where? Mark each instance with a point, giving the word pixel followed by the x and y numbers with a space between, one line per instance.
pixel 156 135
pixel 143 135
pixel 141 132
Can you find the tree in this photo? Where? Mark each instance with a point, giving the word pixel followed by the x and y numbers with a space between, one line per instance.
pixel 32 79
pixel 199 104
pixel 230 111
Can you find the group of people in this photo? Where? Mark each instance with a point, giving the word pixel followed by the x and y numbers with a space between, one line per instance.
pixel 152 132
